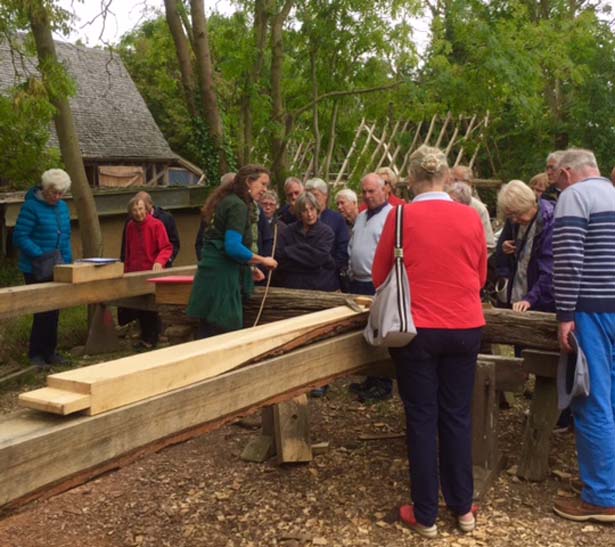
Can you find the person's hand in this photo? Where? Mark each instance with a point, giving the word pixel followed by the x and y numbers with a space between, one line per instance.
pixel 157 267
pixel 565 328
pixel 269 262
pixel 522 305
pixel 257 275
pixel 509 246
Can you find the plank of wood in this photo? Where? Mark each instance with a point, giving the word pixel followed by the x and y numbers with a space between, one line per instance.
pixel 22 300
pixel 534 461
pixel 53 400
pixel 509 372
pixel 38 451
pixel 129 379
pixel 291 421
pixel 82 272
pixel 484 417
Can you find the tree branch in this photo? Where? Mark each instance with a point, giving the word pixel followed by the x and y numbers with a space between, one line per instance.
pixel 330 94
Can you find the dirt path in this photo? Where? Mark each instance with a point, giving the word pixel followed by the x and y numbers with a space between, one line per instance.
pixel 201 494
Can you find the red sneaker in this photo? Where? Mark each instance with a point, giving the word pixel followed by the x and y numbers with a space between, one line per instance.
pixel 406 514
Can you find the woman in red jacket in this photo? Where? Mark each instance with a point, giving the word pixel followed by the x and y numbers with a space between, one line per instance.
pixel 147 248
pixel 446 258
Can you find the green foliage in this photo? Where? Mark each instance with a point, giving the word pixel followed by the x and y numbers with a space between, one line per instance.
pixel 25 118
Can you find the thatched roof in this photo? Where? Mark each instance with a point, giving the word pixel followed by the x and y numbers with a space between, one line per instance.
pixel 112 119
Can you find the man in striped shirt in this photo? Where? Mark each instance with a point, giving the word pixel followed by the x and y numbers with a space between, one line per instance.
pixel 584 281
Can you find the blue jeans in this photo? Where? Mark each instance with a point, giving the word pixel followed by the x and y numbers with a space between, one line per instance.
pixel 435 376
pixel 595 415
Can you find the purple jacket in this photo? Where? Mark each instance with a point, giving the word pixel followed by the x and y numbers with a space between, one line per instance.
pixel 540 266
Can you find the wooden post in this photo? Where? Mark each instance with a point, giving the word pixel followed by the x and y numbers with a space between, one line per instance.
pixel 351 151
pixel 102 337
pixel 484 418
pixel 534 463
pixel 292 430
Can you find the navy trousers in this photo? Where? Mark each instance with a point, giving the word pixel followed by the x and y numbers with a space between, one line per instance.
pixel 435 376
pixel 44 333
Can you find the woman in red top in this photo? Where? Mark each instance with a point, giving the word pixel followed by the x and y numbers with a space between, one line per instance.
pixel 147 248
pixel 446 258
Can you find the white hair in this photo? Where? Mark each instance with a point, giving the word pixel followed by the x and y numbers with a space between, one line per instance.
pixel 292 180
pixel 577 158
pixel 317 184
pixel 556 156
pixel 516 198
pixel 373 176
pixel 461 192
pixel 348 194
pixel 57 179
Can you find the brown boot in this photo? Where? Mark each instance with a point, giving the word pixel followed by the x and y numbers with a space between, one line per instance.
pixel 577 510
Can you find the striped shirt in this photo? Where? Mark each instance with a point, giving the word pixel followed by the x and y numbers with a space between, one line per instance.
pixel 584 249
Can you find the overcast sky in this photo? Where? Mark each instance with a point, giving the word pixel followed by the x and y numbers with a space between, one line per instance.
pixel 123 16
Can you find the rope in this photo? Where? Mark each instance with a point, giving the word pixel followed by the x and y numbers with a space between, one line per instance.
pixel 260 310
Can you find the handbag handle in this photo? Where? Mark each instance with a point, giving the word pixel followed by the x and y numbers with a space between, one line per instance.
pixel 399 233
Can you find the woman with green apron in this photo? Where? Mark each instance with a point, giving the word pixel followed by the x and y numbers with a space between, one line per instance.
pixel 225 272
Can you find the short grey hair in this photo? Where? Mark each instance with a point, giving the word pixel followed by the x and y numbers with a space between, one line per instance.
pixel 460 192
pixel 292 180
pixel 57 179
pixel 270 194
pixel 303 200
pixel 317 184
pixel 555 156
pixel 374 176
pixel 516 198
pixel 577 158
pixel 348 194
pixel 133 201
pixel 462 173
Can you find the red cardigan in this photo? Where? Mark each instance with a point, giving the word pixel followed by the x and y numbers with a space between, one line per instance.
pixel 445 254
pixel 147 242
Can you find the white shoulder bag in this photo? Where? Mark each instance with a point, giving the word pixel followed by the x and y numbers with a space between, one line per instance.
pixel 390 322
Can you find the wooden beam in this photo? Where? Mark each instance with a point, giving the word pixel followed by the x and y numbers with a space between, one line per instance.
pixel 291 421
pixel 22 300
pixel 40 450
pixel 123 381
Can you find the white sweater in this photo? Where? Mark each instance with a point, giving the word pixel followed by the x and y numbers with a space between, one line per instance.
pixel 363 243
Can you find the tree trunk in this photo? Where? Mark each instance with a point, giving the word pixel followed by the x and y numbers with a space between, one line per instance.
pixel 278 114
pixel 315 124
pixel 91 237
pixel 206 81
pixel 182 49
pixel 260 35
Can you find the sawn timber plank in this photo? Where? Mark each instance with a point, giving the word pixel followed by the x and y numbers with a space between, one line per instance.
pixel 124 381
pixel 57 401
pixel 43 453
pixel 22 300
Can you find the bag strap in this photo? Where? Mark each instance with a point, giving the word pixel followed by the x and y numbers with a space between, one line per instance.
pixel 399 264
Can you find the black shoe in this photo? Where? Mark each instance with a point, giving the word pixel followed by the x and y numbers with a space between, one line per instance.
pixel 319 392
pixel 57 359
pixel 142 345
pixel 377 392
pixel 40 363
pixel 358 387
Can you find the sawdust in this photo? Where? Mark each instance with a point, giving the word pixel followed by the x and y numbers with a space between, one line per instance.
pixel 201 494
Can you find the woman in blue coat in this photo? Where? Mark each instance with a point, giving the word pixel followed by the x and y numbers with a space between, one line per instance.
pixel 43 228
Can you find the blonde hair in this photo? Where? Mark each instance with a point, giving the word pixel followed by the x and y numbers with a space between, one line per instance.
pixel 538 179
pixel 516 198
pixel 427 163
pixel 389 173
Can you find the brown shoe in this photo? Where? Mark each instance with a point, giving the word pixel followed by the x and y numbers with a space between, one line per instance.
pixel 577 510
